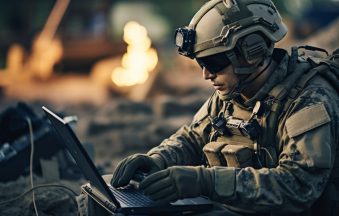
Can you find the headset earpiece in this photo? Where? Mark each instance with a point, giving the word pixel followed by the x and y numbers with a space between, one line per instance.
pixel 253 48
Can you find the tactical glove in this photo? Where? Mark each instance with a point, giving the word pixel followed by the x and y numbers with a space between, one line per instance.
pixel 178 182
pixel 137 162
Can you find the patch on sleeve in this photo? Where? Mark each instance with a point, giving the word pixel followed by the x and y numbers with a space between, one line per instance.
pixel 307 119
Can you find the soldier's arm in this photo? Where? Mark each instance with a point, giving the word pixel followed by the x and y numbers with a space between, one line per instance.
pixel 185 146
pixel 309 140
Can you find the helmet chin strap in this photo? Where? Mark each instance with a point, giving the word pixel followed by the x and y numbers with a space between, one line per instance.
pixel 241 70
pixel 231 94
pixel 238 70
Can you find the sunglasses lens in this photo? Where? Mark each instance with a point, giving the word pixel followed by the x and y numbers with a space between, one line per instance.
pixel 214 63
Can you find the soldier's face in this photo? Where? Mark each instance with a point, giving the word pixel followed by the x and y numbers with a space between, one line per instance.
pixel 223 81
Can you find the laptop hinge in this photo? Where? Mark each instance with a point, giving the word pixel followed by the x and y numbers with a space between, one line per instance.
pixel 99 198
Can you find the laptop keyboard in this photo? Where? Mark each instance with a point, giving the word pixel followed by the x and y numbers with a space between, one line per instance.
pixel 129 196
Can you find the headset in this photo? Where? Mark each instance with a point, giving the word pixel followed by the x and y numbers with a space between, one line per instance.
pixel 253 48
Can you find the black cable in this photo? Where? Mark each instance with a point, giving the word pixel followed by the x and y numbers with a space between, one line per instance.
pixel 31 177
pixel 245 82
pixel 31 135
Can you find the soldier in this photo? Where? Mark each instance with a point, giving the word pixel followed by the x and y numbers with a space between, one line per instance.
pixel 266 141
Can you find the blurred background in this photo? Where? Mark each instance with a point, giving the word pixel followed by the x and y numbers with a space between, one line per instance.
pixel 113 66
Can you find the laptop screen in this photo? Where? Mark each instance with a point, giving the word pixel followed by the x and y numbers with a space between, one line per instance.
pixel 79 154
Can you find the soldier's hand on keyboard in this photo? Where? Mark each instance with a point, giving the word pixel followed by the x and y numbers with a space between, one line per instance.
pixel 137 178
pixel 127 168
pixel 178 182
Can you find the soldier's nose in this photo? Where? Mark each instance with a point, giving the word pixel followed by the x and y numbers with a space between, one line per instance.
pixel 207 74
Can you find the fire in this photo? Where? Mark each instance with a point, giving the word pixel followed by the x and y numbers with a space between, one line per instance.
pixel 139 60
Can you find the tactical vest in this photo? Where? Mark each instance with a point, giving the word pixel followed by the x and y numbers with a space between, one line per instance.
pixel 233 148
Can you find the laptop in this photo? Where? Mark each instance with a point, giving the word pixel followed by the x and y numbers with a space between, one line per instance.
pixel 126 200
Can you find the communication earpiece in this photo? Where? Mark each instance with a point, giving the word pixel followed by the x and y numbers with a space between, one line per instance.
pixel 253 48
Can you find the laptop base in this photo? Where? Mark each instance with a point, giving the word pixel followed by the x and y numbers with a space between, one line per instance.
pixel 99 205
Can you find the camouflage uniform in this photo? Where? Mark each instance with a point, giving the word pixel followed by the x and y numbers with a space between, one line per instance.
pixel 304 149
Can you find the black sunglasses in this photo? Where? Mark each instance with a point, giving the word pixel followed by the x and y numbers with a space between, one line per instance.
pixel 214 63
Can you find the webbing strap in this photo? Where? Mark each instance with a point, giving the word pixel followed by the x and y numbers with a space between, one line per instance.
pixel 221 9
pixel 332 79
pixel 331 63
pixel 294 92
pixel 279 92
pixel 304 79
pixel 217 41
pixel 332 75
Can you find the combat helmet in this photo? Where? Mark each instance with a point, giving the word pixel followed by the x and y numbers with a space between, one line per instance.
pixel 221 25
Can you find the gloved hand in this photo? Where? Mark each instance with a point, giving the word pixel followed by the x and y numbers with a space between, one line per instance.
pixel 128 166
pixel 178 182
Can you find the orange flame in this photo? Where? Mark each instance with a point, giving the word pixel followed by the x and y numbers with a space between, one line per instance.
pixel 139 60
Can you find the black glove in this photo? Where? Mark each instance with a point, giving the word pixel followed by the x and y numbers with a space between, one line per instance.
pixel 178 182
pixel 128 167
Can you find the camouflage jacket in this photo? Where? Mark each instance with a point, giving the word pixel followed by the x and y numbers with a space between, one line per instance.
pixel 306 141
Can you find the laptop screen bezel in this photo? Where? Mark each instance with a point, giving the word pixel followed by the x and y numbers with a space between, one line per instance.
pixel 80 155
